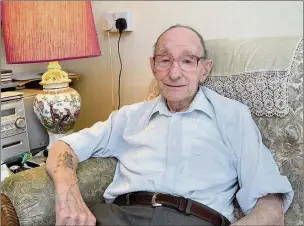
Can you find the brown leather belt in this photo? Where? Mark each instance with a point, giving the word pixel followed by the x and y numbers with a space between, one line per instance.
pixel 187 206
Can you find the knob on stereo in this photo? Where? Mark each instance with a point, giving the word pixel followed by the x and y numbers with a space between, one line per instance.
pixel 20 122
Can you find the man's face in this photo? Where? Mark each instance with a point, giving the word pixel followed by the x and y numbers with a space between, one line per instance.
pixel 180 48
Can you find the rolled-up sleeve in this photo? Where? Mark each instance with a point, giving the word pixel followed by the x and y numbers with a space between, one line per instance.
pixel 258 173
pixel 92 141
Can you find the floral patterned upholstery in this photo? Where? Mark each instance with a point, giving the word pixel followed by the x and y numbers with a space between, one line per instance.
pixel 32 191
pixel 284 137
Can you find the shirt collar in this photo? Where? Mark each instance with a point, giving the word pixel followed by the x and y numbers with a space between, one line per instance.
pixel 200 103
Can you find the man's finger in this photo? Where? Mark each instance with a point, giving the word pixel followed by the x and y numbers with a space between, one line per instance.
pixel 81 219
pixel 60 220
pixel 90 221
pixel 71 221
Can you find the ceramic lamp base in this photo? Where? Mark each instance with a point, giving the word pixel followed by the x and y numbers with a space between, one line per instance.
pixel 54 137
pixel 58 105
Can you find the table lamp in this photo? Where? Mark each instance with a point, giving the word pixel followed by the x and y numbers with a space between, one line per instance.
pixel 51 31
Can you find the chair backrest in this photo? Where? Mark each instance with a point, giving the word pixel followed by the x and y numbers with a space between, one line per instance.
pixel 266 74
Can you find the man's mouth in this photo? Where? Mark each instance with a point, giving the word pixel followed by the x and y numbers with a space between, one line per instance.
pixel 174 85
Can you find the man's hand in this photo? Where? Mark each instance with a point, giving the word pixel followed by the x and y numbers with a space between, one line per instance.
pixel 70 207
pixel 267 211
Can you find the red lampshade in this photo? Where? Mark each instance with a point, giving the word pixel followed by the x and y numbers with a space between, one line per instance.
pixel 44 31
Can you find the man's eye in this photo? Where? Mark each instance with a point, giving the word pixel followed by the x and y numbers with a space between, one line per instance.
pixel 188 61
pixel 165 60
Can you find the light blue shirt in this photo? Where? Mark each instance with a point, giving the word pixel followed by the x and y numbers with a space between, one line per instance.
pixel 209 153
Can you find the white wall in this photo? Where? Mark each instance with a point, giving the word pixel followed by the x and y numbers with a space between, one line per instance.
pixel 214 19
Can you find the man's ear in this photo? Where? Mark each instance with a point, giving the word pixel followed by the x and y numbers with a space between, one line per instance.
pixel 152 65
pixel 207 67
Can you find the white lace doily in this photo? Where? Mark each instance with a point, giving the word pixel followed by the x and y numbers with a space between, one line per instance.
pixel 264 92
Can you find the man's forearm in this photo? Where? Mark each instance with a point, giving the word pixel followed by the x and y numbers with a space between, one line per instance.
pixel 61 164
pixel 268 211
pixel 70 207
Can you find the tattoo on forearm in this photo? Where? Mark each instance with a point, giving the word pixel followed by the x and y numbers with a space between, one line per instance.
pixel 65 160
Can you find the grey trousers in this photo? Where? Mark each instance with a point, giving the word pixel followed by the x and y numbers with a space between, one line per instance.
pixel 142 215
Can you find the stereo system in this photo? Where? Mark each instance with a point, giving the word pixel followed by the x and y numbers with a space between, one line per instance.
pixel 21 130
pixel 14 135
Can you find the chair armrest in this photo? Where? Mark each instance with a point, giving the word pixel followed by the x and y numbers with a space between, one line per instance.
pixel 8 213
pixel 32 191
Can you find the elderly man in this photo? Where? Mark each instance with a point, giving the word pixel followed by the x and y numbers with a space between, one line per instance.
pixel 182 157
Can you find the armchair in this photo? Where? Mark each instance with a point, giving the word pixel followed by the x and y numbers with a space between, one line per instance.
pixel 28 197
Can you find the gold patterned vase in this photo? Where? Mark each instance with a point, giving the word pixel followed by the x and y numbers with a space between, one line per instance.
pixel 58 105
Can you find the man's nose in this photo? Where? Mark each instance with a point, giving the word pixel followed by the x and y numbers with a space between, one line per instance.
pixel 175 71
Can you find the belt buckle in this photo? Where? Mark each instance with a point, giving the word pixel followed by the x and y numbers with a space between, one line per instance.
pixel 153 202
pixel 128 199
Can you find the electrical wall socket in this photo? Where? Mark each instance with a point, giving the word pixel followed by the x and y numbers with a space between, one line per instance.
pixel 112 17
